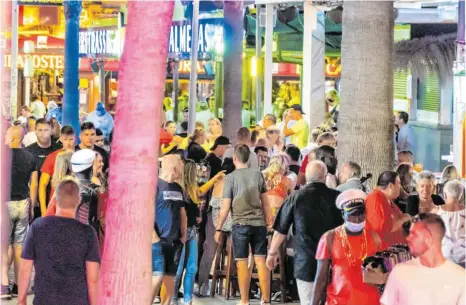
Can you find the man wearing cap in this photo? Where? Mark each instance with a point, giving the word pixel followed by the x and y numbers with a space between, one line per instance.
pixel 215 157
pixel 312 212
pixel 345 248
pixel 82 162
pixel 300 131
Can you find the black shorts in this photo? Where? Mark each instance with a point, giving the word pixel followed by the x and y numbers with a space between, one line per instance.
pixel 165 258
pixel 245 236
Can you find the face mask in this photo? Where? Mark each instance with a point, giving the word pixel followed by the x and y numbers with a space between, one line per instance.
pixel 355 227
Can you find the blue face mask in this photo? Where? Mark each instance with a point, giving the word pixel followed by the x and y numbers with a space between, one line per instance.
pixel 355 227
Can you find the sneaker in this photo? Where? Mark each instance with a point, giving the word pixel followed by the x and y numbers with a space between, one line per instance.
pixel 156 300
pixel 5 293
pixel 14 291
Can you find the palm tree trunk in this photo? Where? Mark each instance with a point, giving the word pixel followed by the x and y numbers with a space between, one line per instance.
pixel 233 67
pixel 5 111
pixel 71 71
pixel 126 264
pixel 365 127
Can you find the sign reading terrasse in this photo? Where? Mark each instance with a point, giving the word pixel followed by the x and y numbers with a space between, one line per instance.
pixel 94 43
pixel 180 39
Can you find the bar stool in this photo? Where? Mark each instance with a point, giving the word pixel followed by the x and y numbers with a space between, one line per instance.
pixel 223 266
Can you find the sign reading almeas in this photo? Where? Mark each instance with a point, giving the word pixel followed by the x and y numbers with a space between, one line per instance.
pixel 180 39
pixel 99 42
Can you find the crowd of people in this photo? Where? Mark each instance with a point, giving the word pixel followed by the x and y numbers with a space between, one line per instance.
pixel 276 186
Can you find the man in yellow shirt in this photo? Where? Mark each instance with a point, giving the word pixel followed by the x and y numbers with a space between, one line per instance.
pixel 300 131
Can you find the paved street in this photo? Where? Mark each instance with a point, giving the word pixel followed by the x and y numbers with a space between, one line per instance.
pixel 203 301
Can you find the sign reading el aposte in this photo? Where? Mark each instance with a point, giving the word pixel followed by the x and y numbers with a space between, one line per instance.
pixel 38 61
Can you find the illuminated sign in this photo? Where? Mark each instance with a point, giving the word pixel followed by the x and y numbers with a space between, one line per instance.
pixel 38 61
pixel 185 67
pixel 41 2
pixel 332 66
pixel 99 42
pixel 180 39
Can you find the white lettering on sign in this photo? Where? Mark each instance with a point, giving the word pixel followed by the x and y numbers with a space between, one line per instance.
pixel 38 61
pixel 105 42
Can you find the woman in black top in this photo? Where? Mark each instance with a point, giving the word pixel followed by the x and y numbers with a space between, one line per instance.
pixel 195 150
pixel 425 201
pixel 404 170
pixel 189 256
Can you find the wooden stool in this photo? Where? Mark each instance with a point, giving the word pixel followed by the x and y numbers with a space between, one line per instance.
pixel 222 258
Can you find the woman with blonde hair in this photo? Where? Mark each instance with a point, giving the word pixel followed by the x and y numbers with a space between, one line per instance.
pixel 61 170
pixel 195 149
pixel 215 130
pixel 275 145
pixel 277 184
pixel 189 255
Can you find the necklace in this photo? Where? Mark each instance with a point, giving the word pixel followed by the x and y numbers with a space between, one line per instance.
pixel 349 253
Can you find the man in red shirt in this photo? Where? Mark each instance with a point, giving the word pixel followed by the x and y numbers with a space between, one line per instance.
pixel 67 138
pixel 345 248
pixel 383 216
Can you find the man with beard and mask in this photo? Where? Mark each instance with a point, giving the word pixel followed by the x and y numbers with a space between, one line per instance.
pixel 345 248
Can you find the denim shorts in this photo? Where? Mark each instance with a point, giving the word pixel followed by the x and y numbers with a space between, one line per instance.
pixel 19 220
pixel 166 257
pixel 245 236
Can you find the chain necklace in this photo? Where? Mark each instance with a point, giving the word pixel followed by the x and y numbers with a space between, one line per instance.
pixel 349 253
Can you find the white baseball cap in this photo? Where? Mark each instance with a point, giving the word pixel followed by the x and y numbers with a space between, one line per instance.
pixel 349 196
pixel 82 160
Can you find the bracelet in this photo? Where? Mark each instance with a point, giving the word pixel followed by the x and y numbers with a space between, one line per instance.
pixel 218 230
pixel 272 253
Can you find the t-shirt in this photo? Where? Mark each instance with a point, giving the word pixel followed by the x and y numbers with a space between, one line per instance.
pixel 29 138
pixel 41 153
pixel 252 162
pixel 411 283
pixel 294 168
pixel 215 164
pixel 60 248
pixel 303 167
pixel 169 200
pixel 347 286
pixel 165 137
pixel 245 186
pixel 412 204
pixel 301 134
pixel 192 212
pixel 23 165
pixel 380 215
pixel 406 139
pixel 49 164
pixel 102 152
pixel 38 109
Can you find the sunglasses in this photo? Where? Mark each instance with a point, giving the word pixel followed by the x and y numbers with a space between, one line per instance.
pixel 419 219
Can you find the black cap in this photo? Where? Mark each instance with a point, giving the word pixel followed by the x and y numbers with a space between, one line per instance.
pixel 220 141
pixel 297 108
pixel 185 109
